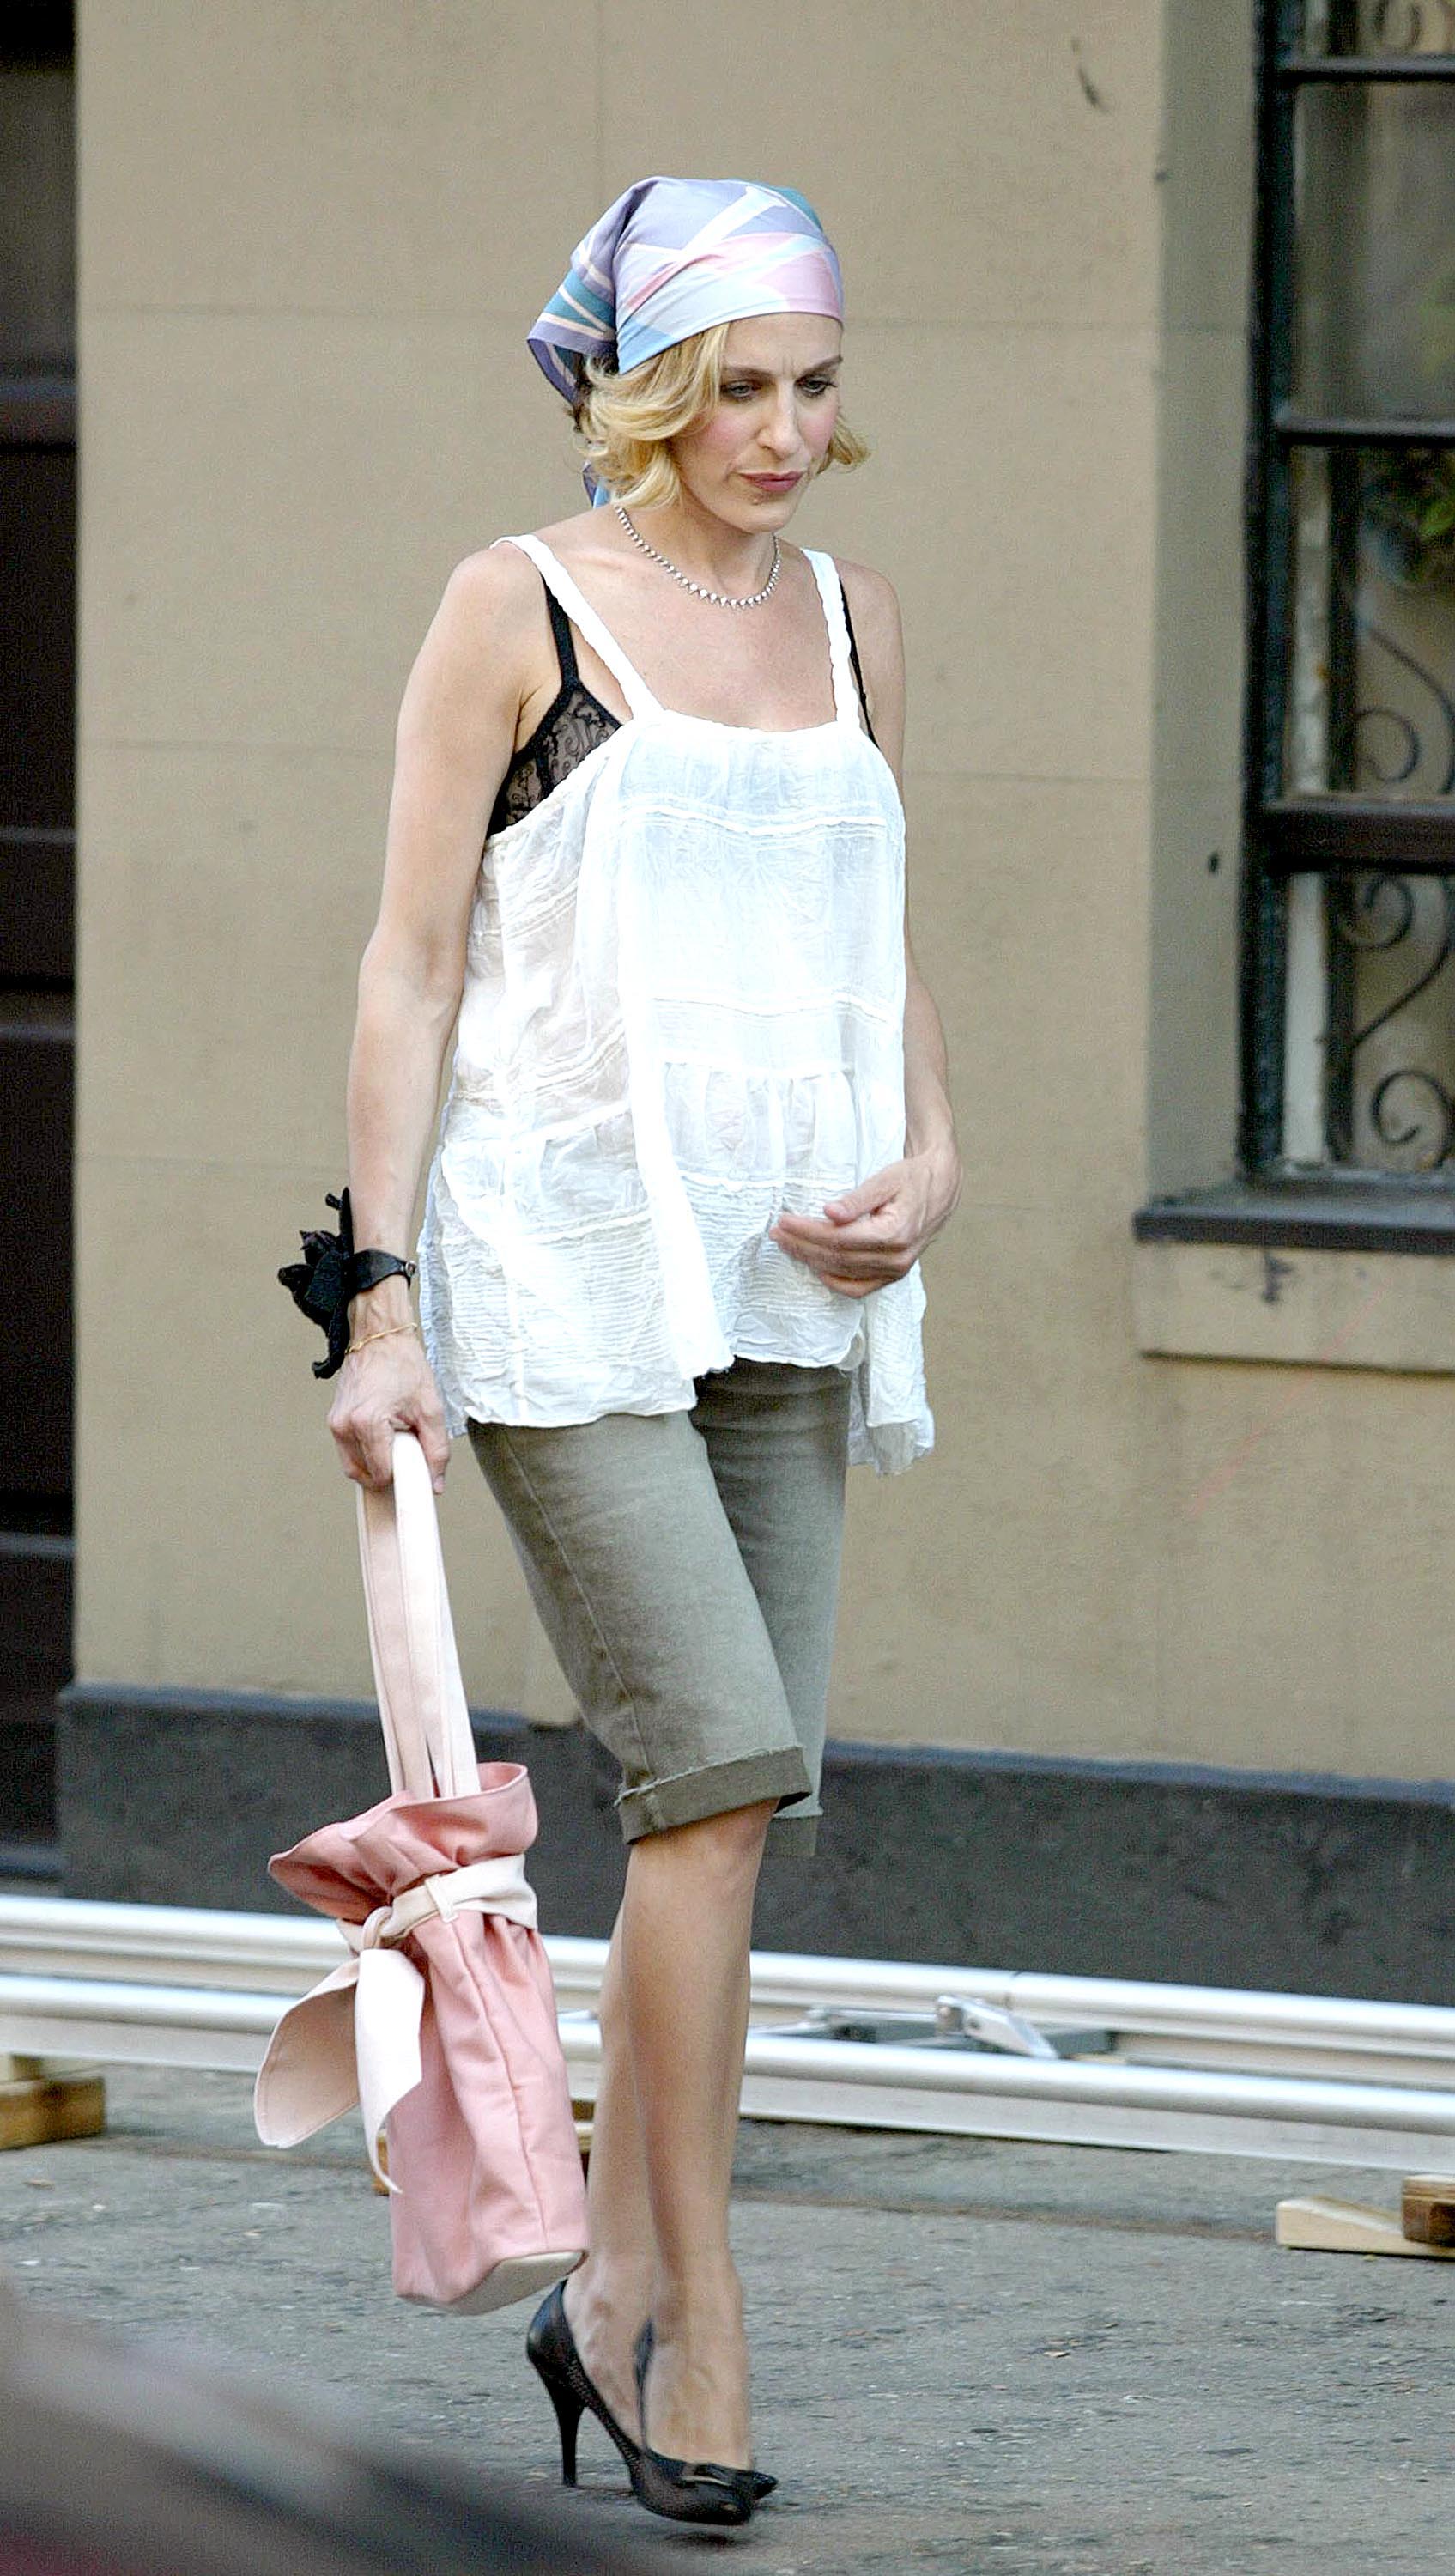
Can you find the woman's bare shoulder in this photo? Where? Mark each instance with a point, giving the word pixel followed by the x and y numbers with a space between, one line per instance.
pixel 487 646
pixel 498 583
pixel 489 632
pixel 873 602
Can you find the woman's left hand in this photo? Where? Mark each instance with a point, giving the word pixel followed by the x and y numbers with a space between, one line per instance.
pixel 877 1231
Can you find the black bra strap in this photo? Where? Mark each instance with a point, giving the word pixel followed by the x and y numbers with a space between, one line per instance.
pixel 854 661
pixel 561 629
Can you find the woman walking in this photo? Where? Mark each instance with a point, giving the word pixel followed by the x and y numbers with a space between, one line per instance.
pixel 696 1139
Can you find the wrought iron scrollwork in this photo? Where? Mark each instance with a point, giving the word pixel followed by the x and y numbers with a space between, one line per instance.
pixel 1364 757
pixel 1413 26
pixel 1409 1108
pixel 1359 745
pixel 1400 1139
pixel 1383 746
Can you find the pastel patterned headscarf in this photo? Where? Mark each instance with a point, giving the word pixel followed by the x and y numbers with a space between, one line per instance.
pixel 674 256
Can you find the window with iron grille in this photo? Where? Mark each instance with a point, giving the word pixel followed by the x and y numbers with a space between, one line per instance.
pixel 1349 923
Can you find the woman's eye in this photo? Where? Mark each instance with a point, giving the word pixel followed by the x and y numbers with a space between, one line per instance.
pixel 739 393
pixel 817 385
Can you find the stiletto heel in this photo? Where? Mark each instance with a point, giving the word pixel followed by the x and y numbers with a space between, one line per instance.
pixel 568 2421
pixel 551 2350
pixel 690 2490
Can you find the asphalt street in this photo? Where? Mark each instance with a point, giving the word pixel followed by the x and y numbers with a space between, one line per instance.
pixel 969 2355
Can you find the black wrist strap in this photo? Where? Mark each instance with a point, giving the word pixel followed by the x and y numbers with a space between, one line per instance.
pixel 330 1273
pixel 370 1268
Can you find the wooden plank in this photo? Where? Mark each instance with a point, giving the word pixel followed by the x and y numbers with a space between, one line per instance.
pixel 1427 2209
pixel 1346 2227
pixel 42 2106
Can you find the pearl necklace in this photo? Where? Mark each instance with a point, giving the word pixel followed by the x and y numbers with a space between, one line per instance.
pixel 718 598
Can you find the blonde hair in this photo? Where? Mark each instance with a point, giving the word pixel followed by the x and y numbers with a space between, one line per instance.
pixel 626 424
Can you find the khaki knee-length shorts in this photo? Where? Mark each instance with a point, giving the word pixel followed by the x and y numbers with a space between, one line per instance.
pixel 685 1567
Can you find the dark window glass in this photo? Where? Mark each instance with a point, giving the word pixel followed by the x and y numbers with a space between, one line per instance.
pixel 37 226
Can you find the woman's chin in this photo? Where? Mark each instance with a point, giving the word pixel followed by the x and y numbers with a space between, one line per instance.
pixel 753 511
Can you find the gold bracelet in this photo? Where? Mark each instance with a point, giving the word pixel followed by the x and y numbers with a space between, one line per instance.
pixel 379 1337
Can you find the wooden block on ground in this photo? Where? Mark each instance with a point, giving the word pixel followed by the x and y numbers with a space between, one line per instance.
pixel 48 2103
pixel 1346 2227
pixel 1427 2208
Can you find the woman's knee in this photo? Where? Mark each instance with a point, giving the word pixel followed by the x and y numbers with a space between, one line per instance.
pixel 728 1845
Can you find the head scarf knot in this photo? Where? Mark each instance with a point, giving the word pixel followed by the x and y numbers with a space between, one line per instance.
pixel 671 258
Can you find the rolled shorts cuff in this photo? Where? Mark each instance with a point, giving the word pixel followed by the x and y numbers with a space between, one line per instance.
pixel 687 1796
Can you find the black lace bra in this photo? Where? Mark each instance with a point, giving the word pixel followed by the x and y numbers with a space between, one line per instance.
pixel 575 723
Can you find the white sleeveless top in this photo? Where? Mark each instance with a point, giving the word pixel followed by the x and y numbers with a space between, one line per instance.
pixel 683 1013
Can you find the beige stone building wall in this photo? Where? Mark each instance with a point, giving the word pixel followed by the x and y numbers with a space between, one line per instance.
pixel 312 236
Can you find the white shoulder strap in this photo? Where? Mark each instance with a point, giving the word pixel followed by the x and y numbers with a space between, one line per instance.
pixel 586 621
pixel 846 696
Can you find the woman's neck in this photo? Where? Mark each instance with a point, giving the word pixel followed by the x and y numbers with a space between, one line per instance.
pixel 706 548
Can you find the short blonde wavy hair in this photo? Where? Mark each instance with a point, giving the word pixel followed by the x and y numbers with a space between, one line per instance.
pixel 626 424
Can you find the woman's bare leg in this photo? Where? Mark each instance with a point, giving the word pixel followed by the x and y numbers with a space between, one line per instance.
pixel 611 2294
pixel 674 2016
pixel 686 1929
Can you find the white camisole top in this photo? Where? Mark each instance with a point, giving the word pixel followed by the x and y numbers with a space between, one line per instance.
pixel 683 1013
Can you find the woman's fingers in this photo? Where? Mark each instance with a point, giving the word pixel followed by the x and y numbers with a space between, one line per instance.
pixel 866 1252
pixel 365 1444
pixel 379 1395
pixel 341 1425
pixel 877 1231
pixel 434 1440
pixel 871 1235
pixel 374 1447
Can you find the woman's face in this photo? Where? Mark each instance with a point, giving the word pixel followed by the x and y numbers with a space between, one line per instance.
pixel 751 461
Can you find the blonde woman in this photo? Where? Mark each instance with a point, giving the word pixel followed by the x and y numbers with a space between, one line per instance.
pixel 696 1140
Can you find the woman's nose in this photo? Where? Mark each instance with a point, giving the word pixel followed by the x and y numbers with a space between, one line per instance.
pixel 781 429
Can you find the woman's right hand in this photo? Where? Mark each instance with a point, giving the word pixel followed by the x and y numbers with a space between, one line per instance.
pixel 386 1388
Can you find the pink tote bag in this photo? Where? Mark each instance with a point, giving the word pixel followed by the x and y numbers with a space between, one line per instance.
pixel 441 2023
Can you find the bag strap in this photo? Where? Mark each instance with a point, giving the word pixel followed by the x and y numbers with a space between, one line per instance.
pixel 422 1707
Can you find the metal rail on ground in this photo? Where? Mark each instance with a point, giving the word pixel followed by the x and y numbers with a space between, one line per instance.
pixel 1201 2068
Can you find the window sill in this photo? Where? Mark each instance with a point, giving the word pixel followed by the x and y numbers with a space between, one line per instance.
pixel 1317 1273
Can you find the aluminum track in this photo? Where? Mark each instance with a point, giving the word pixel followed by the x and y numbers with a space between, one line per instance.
pixel 1199 2068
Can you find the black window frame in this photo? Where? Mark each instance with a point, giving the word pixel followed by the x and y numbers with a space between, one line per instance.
pixel 1286 834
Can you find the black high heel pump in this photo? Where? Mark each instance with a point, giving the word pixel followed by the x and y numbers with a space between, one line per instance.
pixel 691 2490
pixel 551 2349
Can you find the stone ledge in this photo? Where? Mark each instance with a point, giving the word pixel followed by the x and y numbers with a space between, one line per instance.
pixel 1327 1309
pixel 1331 1212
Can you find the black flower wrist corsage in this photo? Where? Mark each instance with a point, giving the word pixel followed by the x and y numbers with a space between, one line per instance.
pixel 330 1274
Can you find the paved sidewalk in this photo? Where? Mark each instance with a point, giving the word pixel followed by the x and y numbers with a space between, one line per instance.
pixel 1077 2362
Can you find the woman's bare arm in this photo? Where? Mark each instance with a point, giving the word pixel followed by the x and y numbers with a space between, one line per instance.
pixel 456 731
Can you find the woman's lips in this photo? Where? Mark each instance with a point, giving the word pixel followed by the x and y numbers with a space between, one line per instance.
pixel 774 482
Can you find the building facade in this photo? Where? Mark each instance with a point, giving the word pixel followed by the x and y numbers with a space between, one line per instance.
pixel 1147 1669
